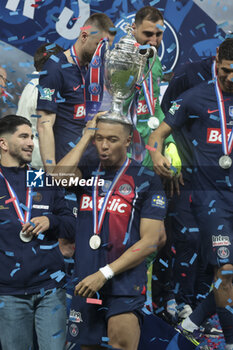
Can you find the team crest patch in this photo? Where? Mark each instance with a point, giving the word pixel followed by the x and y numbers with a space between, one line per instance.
pixel 96 62
pixel 94 89
pixel 75 316
pixel 37 197
pixel 125 189
pixel 73 329
pixel 174 108
pixel 223 252
pixel 231 111
pixel 158 201
pixel 47 94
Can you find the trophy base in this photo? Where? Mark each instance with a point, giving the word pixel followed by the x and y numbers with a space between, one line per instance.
pixel 116 117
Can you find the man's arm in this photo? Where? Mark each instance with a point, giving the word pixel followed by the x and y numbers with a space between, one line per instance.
pixel 156 140
pixel 46 138
pixel 152 235
pixel 68 165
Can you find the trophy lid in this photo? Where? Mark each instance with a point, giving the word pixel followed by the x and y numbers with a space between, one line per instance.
pixel 115 117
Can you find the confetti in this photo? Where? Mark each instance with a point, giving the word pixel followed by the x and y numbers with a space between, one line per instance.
pixel 194 142
pixel 5 222
pixel 85 28
pixel 48 161
pixel 14 271
pixel 94 301
pixel 54 58
pixel 193 259
pixel 163 262
pixel 9 253
pixel 143 185
pixel 131 78
pixel 217 283
pixel 10 200
pixel 2 304
pixel 171 48
pixel 24 207
pixel 66 65
pixel 57 334
pixel 12 38
pixel 35 116
pixel 144 47
pixel 163 29
pixel 126 238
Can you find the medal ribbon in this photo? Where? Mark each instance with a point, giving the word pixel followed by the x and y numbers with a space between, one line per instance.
pixel 99 219
pixel 149 93
pixel 27 215
pixel 214 70
pixel 76 61
pixel 226 145
pixel 95 74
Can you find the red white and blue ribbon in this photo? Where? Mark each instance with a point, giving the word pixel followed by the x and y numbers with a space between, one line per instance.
pixel 99 219
pixel 95 75
pixel 149 93
pixel 27 214
pixel 226 145
pixel 76 61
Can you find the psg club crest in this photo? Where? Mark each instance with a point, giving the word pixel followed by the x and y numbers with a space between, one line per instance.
pixel 96 62
pixel 94 89
pixel 223 252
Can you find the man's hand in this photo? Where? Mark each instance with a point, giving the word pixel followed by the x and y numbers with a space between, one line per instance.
pixel 172 185
pixel 90 127
pixel 36 225
pixel 90 285
pixel 161 165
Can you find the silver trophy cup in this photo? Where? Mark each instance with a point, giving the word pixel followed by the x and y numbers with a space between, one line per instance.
pixel 124 67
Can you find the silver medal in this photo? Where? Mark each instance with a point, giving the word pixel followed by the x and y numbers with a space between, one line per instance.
pixel 153 123
pixel 95 242
pixel 25 237
pixel 225 162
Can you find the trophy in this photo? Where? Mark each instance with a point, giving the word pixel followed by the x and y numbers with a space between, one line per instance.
pixel 124 67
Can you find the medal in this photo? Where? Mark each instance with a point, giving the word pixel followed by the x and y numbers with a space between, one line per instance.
pixel 95 242
pixel 25 237
pixel 225 162
pixel 153 123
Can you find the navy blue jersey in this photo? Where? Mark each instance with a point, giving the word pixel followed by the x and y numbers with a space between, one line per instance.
pixel 38 264
pixel 186 77
pixel 137 195
pixel 63 94
pixel 210 181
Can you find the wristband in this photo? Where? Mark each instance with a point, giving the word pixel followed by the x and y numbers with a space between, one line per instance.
pixel 107 272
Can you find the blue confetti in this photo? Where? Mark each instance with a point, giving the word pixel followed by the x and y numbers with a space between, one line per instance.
pixel 176 288
pixel 54 58
pixel 126 238
pixel 152 3
pixel 143 185
pixel 2 304
pixel 194 116
pixel 193 229
pixel 217 283
pixel 43 72
pixel 9 253
pixel 33 249
pixel 14 271
pixel 48 247
pixel 43 272
pixel 13 13
pixel 193 259
pixel 173 168
pixel 41 38
pixel 229 309
pixel 163 29
pixel 194 142
pixel 24 207
pixel 184 264
pixel 5 222
pixel 230 272
pixel 141 171
pixel 48 161
pixel 71 144
pixel 42 292
pixel 12 38
pixel 66 65
pixel 171 48
pixel 220 227
pixel 35 116
pixel 40 236
pixel 163 262
pixel 144 47
pixel 212 203
pixel 214 117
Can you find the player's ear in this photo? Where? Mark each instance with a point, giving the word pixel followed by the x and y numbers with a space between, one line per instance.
pixel 84 36
pixel 3 143
pixel 128 141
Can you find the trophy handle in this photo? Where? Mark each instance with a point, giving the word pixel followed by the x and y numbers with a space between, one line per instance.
pixel 154 58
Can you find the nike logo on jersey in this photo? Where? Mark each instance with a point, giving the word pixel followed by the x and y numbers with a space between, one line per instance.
pixel 214 110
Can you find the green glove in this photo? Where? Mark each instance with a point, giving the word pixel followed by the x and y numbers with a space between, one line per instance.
pixel 172 155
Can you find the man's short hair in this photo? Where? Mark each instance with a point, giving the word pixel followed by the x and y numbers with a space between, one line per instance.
pixel 148 13
pixel 9 123
pixel 225 51
pixel 43 53
pixel 127 127
pixel 101 22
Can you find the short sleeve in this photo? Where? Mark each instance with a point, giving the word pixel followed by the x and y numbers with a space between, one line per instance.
pixel 154 205
pixel 50 86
